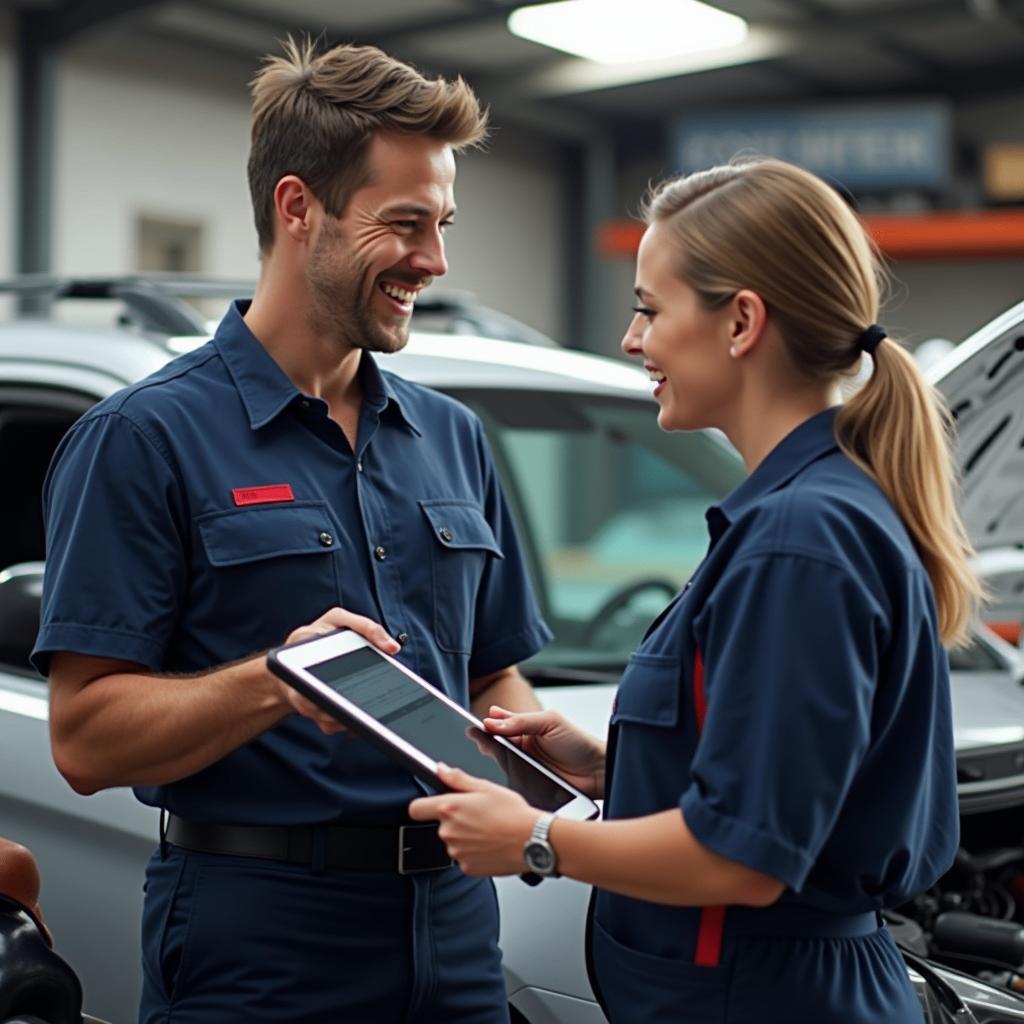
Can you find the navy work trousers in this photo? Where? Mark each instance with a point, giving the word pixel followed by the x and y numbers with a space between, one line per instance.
pixel 235 940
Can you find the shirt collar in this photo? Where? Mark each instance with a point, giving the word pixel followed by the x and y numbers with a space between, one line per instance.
pixel 266 390
pixel 379 393
pixel 810 441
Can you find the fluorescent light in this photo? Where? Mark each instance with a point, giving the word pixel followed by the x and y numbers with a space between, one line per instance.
pixel 617 32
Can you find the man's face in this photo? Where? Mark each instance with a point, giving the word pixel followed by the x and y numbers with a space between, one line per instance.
pixel 369 264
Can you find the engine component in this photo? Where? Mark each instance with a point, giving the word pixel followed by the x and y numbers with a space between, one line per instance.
pixel 959 932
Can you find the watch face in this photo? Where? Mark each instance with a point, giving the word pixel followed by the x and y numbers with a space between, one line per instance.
pixel 540 858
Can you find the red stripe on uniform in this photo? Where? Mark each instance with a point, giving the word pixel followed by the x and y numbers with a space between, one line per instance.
pixel 709 937
pixel 700 701
pixel 712 919
pixel 262 495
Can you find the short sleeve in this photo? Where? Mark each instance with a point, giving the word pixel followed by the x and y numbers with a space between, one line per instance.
pixel 509 625
pixel 789 648
pixel 114 545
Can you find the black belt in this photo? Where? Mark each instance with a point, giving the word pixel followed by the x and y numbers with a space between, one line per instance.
pixel 405 849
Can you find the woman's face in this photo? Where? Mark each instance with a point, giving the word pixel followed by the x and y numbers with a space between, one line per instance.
pixel 684 347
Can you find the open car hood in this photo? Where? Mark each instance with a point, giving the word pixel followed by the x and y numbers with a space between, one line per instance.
pixel 983 382
pixel 988 711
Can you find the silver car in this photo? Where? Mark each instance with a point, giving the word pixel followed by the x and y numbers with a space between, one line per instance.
pixel 611 515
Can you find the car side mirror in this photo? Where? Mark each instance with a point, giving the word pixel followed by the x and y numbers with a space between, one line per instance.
pixel 21 594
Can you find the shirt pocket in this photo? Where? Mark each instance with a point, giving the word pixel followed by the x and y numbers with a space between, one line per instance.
pixel 269 565
pixel 649 691
pixel 651 766
pixel 464 545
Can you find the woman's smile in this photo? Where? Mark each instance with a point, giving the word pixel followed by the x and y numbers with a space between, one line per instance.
pixel 659 378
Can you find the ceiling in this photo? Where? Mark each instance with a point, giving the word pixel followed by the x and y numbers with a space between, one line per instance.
pixel 796 50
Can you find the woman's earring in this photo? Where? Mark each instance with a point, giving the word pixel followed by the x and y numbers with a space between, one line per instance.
pixel 734 351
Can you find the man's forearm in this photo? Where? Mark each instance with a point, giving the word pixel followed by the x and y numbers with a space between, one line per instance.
pixel 127 729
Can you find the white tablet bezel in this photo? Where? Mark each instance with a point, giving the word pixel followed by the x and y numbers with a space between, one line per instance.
pixel 292 663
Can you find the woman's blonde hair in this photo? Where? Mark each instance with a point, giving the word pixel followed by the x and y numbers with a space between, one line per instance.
pixel 313 115
pixel 783 233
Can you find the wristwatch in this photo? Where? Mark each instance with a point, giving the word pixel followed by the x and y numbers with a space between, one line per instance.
pixel 538 853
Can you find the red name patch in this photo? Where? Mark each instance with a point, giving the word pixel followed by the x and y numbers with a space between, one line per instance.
pixel 262 495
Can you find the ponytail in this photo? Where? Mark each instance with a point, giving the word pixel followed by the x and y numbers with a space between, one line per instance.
pixel 897 429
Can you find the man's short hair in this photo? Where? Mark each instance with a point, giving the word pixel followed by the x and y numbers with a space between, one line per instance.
pixel 313 116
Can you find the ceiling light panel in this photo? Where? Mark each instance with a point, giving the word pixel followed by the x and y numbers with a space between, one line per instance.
pixel 613 32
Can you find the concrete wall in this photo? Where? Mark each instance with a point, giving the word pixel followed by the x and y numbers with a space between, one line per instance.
pixel 129 145
pixel 509 242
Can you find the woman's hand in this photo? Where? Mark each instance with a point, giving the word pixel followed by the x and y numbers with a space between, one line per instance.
pixel 332 619
pixel 553 740
pixel 484 826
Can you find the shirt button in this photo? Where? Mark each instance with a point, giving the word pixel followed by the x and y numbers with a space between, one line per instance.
pixel 326 539
pixel 305 403
pixel 380 554
pixel 359 466
pixel 402 638
pixel 446 534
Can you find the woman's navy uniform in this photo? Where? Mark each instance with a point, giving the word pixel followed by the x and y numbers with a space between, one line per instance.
pixel 794 702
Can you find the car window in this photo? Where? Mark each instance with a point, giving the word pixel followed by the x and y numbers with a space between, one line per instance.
pixel 611 510
pixel 32 422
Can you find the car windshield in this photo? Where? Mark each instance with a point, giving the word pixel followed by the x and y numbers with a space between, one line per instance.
pixel 610 509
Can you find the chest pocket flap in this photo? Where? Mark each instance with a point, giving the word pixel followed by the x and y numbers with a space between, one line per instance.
pixel 460 525
pixel 268 531
pixel 649 691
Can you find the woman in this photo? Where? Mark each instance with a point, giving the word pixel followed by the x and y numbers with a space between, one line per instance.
pixel 780 761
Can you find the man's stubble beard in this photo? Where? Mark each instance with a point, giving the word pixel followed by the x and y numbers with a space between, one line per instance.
pixel 339 307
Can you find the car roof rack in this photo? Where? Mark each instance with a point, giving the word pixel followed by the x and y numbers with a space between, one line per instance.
pixel 155 304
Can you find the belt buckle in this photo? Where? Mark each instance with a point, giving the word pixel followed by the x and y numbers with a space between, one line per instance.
pixel 407 850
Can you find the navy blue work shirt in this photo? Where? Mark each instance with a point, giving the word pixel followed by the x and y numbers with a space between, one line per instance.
pixel 807 642
pixel 199 516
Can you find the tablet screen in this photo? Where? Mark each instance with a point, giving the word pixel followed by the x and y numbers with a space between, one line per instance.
pixel 375 686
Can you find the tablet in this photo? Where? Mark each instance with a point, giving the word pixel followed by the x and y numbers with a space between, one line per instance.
pixel 385 702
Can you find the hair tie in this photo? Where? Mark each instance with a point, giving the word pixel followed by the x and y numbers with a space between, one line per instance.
pixel 868 339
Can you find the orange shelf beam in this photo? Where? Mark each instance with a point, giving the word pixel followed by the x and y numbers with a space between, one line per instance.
pixel 979 234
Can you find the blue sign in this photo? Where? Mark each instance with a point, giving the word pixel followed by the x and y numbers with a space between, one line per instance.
pixel 864 147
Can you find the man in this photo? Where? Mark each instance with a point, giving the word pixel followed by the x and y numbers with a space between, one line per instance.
pixel 264 481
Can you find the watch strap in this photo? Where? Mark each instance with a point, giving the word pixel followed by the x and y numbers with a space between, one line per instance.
pixel 541 828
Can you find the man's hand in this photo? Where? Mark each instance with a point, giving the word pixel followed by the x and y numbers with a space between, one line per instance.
pixel 484 826
pixel 553 740
pixel 331 620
